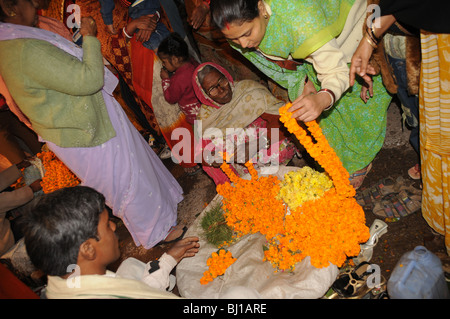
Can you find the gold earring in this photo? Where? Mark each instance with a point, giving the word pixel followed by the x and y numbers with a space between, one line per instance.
pixel 13 14
pixel 265 16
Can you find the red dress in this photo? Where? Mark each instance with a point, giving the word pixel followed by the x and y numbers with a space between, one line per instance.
pixel 179 89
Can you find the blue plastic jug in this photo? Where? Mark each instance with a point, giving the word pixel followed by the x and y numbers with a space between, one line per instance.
pixel 418 275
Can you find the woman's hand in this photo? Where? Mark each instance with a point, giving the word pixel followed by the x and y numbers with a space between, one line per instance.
pixel 360 62
pixel 199 16
pixel 146 26
pixel 307 108
pixel 88 26
pixel 367 88
pixel 360 66
pixel 143 35
pixel 147 22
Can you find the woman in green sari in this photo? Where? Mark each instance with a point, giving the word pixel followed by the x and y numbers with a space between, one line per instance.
pixel 296 41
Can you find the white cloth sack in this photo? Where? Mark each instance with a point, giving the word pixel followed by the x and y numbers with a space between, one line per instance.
pixel 249 270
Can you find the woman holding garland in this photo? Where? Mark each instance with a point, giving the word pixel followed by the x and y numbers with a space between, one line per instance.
pixel 315 45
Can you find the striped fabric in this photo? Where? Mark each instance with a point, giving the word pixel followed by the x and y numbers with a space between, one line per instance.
pixel 435 131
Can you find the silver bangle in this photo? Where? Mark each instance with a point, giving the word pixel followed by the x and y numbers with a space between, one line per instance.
pixel 331 94
pixel 126 34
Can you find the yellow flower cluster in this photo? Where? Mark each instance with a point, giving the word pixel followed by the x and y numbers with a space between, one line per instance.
pixel 320 150
pixel 57 175
pixel 218 263
pixel 303 185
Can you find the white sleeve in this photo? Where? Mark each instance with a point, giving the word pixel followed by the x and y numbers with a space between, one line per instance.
pixel 331 67
pixel 157 272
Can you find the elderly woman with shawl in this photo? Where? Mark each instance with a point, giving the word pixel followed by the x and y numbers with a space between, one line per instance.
pixel 243 115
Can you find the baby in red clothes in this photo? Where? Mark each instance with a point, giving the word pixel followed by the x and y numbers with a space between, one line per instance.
pixel 176 75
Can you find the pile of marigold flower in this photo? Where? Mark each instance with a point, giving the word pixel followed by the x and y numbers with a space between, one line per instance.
pixel 56 175
pixel 218 264
pixel 328 229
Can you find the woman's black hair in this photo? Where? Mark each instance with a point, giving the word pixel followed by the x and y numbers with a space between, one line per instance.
pixel 233 11
pixel 174 45
pixel 58 223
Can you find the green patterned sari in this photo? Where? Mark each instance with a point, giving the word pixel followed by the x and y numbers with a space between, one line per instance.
pixel 354 129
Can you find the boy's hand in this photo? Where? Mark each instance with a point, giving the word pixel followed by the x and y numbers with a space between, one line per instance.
pixel 186 247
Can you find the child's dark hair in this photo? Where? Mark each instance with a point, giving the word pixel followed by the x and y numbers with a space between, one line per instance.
pixel 58 223
pixel 174 45
pixel 233 11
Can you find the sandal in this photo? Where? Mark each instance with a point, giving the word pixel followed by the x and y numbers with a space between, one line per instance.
pixel 364 198
pixel 398 205
pixel 384 210
pixel 386 186
pixel 191 171
pixel 404 184
pixel 353 283
pixel 410 200
pixel 172 229
pixel 414 172
pixel 165 153
pixel 357 178
pixel 377 229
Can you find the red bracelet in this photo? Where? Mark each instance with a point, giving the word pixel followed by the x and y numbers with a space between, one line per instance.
pixel 333 97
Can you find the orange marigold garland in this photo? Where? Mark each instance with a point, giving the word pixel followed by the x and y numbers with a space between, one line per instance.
pixel 337 212
pixel 327 229
pixel 218 264
pixel 57 175
pixel 251 206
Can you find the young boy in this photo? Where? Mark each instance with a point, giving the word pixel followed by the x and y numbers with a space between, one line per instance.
pixel 68 235
pixel 176 75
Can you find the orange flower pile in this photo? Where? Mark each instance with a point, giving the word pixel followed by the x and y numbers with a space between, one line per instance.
pixel 218 263
pixel 252 206
pixel 327 229
pixel 57 175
